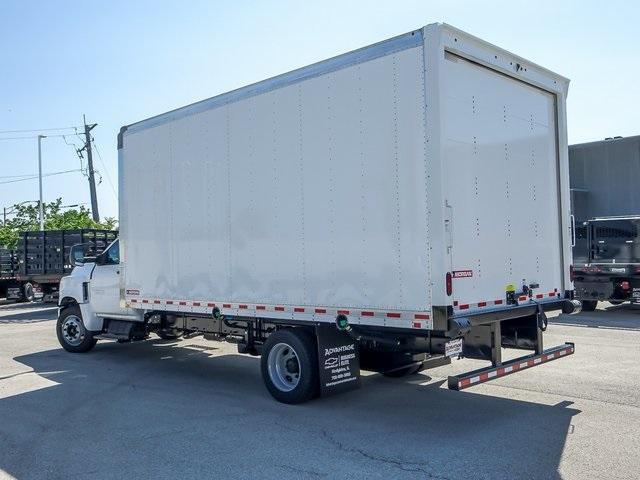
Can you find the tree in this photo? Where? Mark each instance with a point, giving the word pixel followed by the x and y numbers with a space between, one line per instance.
pixel 26 218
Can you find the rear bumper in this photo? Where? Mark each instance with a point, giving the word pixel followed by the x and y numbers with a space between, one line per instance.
pixel 465 380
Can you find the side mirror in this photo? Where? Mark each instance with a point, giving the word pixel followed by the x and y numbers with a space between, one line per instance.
pixel 77 254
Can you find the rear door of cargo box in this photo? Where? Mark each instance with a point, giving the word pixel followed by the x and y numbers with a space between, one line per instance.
pixel 501 178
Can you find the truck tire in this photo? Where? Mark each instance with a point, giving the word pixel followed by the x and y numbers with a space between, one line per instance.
pixel 28 294
pixel 72 335
pixel 289 366
pixel 589 305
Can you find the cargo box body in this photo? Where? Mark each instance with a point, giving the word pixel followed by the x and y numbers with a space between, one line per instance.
pixel 354 186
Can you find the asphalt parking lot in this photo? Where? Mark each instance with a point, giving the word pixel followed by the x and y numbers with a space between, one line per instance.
pixel 197 409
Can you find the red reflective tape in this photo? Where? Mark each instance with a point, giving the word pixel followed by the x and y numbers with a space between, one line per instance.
pixel 417 325
pixel 484 377
pixel 279 309
pixel 343 312
pixel 196 304
pixel 183 303
pixel 320 310
pixel 421 316
pixel 226 305
pixel 367 314
pixel 242 306
pixel 522 298
pixel 482 304
pixel 393 315
pixel 133 300
pixel 498 302
pixel 145 300
pixel 261 307
pixel 539 295
pixel 464 307
pixel 169 302
pixel 156 301
pixel 464 382
pixel 211 304
pixel 552 294
pixel 298 309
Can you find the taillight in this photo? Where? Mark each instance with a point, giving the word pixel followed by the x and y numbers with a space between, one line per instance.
pixel 449 283
pixel 571 275
pixel 625 285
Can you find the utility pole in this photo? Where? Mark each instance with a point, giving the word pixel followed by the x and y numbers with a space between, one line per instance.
pixel 40 205
pixel 92 179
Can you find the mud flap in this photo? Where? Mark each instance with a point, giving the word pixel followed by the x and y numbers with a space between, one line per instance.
pixel 338 360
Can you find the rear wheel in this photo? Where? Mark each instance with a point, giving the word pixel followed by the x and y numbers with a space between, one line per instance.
pixel 72 334
pixel 167 330
pixel 290 366
pixel 589 305
pixel 27 294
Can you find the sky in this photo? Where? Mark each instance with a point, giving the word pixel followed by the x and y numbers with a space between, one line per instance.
pixel 118 62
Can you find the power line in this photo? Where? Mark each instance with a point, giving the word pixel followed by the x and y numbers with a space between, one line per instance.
pixel 106 172
pixel 43 175
pixel 19 176
pixel 39 130
pixel 30 137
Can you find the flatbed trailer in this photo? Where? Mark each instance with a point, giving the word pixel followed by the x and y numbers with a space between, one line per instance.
pixel 387 209
pixel 41 259
pixel 8 266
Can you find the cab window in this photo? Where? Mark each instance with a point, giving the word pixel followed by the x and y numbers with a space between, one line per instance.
pixel 112 254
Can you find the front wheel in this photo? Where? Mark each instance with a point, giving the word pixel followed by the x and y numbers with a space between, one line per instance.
pixel 290 366
pixel 589 305
pixel 72 334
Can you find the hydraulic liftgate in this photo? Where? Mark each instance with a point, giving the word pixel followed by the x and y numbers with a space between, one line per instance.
pixel 486 340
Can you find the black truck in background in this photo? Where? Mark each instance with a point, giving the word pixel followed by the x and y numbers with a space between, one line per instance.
pixel 607 261
pixel 605 202
pixel 33 270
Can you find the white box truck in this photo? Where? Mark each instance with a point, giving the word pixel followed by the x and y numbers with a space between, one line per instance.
pixel 387 209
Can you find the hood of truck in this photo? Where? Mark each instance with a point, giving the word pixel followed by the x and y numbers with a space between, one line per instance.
pixel 71 285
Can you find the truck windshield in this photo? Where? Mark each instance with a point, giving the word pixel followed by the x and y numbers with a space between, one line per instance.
pixel 615 241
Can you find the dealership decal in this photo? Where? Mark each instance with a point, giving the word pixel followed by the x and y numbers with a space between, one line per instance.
pixel 462 273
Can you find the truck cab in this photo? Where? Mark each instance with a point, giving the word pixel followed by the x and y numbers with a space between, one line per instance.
pixel 90 295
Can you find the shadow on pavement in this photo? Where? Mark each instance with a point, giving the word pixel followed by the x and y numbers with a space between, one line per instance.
pixel 158 410
pixel 28 313
pixel 623 316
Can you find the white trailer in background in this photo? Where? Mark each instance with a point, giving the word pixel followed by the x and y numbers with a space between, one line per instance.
pixel 390 207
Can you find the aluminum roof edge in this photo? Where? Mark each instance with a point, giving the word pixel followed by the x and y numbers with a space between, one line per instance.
pixel 500 50
pixel 370 52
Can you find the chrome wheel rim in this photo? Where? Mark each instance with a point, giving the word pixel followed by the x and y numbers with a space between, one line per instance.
pixel 73 330
pixel 284 367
